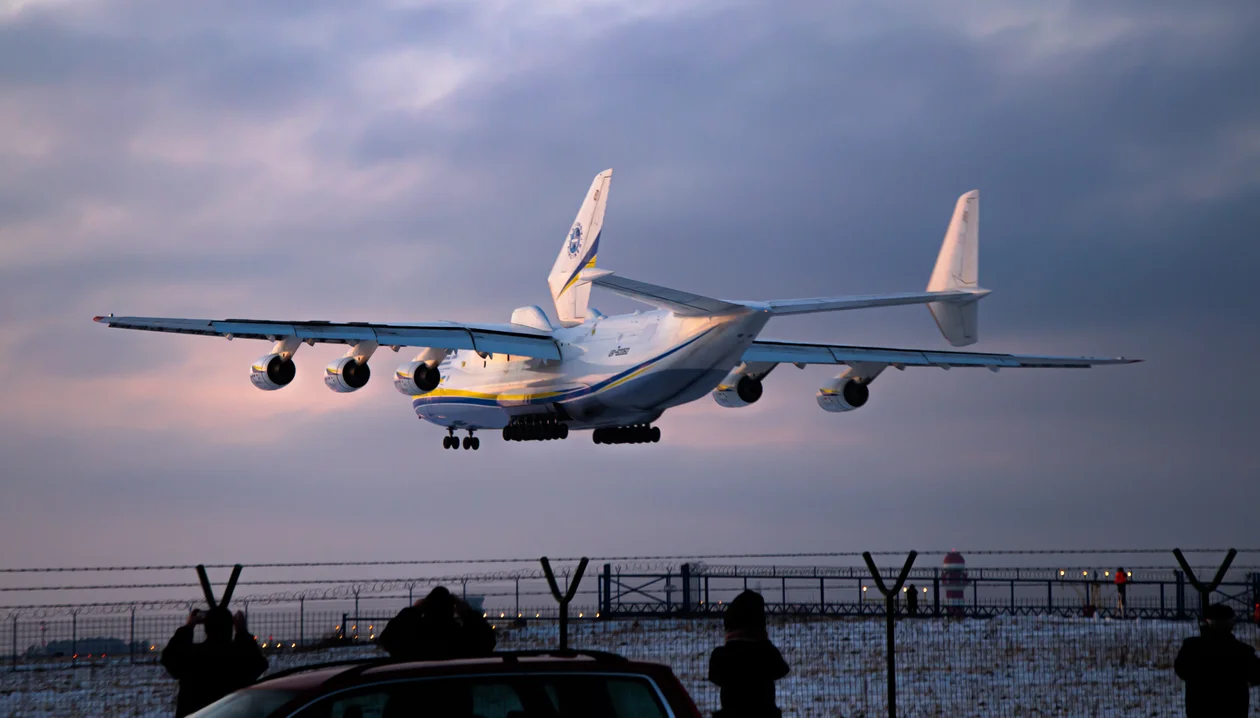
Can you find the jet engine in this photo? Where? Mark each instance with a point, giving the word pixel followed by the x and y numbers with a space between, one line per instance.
pixel 347 374
pixel 844 393
pixel 733 393
pixel 416 378
pixel 272 372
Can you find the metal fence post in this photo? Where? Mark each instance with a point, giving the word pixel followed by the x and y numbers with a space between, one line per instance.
pixel 74 637
pixel 343 627
pixel 15 651
pixel 684 573
pixel 302 621
pixel 1012 597
pixel 606 608
pixel 566 597
pixel 822 595
pixel 1049 596
pixel 936 593
pixel 890 595
pixel 1181 594
pixel 131 644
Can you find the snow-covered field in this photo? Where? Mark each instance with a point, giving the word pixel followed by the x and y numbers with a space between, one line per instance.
pixel 1026 666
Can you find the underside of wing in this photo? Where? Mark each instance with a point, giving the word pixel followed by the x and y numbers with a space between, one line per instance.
pixel 807 353
pixel 514 340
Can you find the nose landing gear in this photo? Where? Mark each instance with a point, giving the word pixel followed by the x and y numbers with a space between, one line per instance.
pixel 450 441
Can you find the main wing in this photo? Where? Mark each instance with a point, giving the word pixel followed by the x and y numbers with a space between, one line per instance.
pixel 489 338
pixel 806 353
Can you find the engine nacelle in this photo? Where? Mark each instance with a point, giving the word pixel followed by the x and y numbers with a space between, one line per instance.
pixel 734 393
pixel 844 393
pixel 273 371
pixel 347 374
pixel 417 378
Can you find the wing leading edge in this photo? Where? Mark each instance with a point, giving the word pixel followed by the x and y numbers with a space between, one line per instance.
pixel 804 353
pixel 518 341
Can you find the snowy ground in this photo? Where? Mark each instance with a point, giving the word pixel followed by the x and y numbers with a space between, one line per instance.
pixel 1025 666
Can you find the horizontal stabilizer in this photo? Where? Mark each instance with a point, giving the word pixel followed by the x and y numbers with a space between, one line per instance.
pixel 677 301
pixel 839 304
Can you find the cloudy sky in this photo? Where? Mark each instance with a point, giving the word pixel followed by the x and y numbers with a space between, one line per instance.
pixel 401 161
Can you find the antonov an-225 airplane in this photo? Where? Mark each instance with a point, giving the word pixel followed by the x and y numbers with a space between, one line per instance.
pixel 616 375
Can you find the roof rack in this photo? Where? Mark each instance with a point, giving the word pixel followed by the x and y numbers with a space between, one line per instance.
pixel 357 666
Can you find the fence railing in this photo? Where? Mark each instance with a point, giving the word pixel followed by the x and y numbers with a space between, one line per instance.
pixel 1047 641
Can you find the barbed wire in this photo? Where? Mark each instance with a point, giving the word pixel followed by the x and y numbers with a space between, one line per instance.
pixel 607 559
pixel 492 577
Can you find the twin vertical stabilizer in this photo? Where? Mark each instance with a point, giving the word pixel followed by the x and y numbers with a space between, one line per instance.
pixel 577 253
pixel 958 268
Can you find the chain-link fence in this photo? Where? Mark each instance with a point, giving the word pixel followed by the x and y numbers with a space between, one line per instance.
pixel 1006 665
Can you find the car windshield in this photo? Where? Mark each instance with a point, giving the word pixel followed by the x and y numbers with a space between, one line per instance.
pixel 249 703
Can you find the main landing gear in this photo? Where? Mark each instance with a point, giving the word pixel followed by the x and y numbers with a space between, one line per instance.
pixel 452 442
pixel 527 429
pixel 636 434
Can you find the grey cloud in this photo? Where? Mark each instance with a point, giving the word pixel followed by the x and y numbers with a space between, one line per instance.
pixel 759 152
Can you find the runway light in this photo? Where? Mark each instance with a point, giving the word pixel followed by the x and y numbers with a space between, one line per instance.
pixel 1128 574
pixel 864 589
pixel 1106 574
pixel 537 615
pixel 501 615
pixel 1084 573
pixel 485 615
pixel 369 628
pixel 520 615
pixel 264 645
pixel 372 637
pixel 925 590
pixel 904 589
pixel 293 646
pixel 581 615
pixel 1061 572
pixel 597 614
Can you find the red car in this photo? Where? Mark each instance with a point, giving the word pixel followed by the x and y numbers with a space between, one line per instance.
pixel 519 684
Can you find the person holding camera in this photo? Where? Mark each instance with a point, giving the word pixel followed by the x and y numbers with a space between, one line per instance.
pixel 438 627
pixel 221 664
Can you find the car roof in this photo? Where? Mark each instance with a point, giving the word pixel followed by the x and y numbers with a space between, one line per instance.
pixel 351 672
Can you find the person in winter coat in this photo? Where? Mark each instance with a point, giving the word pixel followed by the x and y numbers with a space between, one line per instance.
pixel 438 627
pixel 748 664
pixel 1217 668
pixel 1122 585
pixel 221 664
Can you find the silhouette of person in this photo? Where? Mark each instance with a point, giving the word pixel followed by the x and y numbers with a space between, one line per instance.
pixel 439 626
pixel 1217 668
pixel 1122 585
pixel 748 664
pixel 912 600
pixel 209 670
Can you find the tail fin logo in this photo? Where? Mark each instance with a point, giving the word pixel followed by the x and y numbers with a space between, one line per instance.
pixel 575 240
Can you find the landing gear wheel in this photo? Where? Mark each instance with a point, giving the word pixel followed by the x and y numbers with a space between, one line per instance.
pixel 476 443
pixel 656 434
pixel 446 442
pixel 467 443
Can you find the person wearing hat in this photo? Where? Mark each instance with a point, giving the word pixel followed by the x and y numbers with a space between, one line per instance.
pixel 748 664
pixel 1217 668
pixel 221 664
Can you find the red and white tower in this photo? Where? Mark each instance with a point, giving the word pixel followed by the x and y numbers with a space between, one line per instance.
pixel 954 583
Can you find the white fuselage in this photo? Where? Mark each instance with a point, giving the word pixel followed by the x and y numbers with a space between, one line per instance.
pixel 613 371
